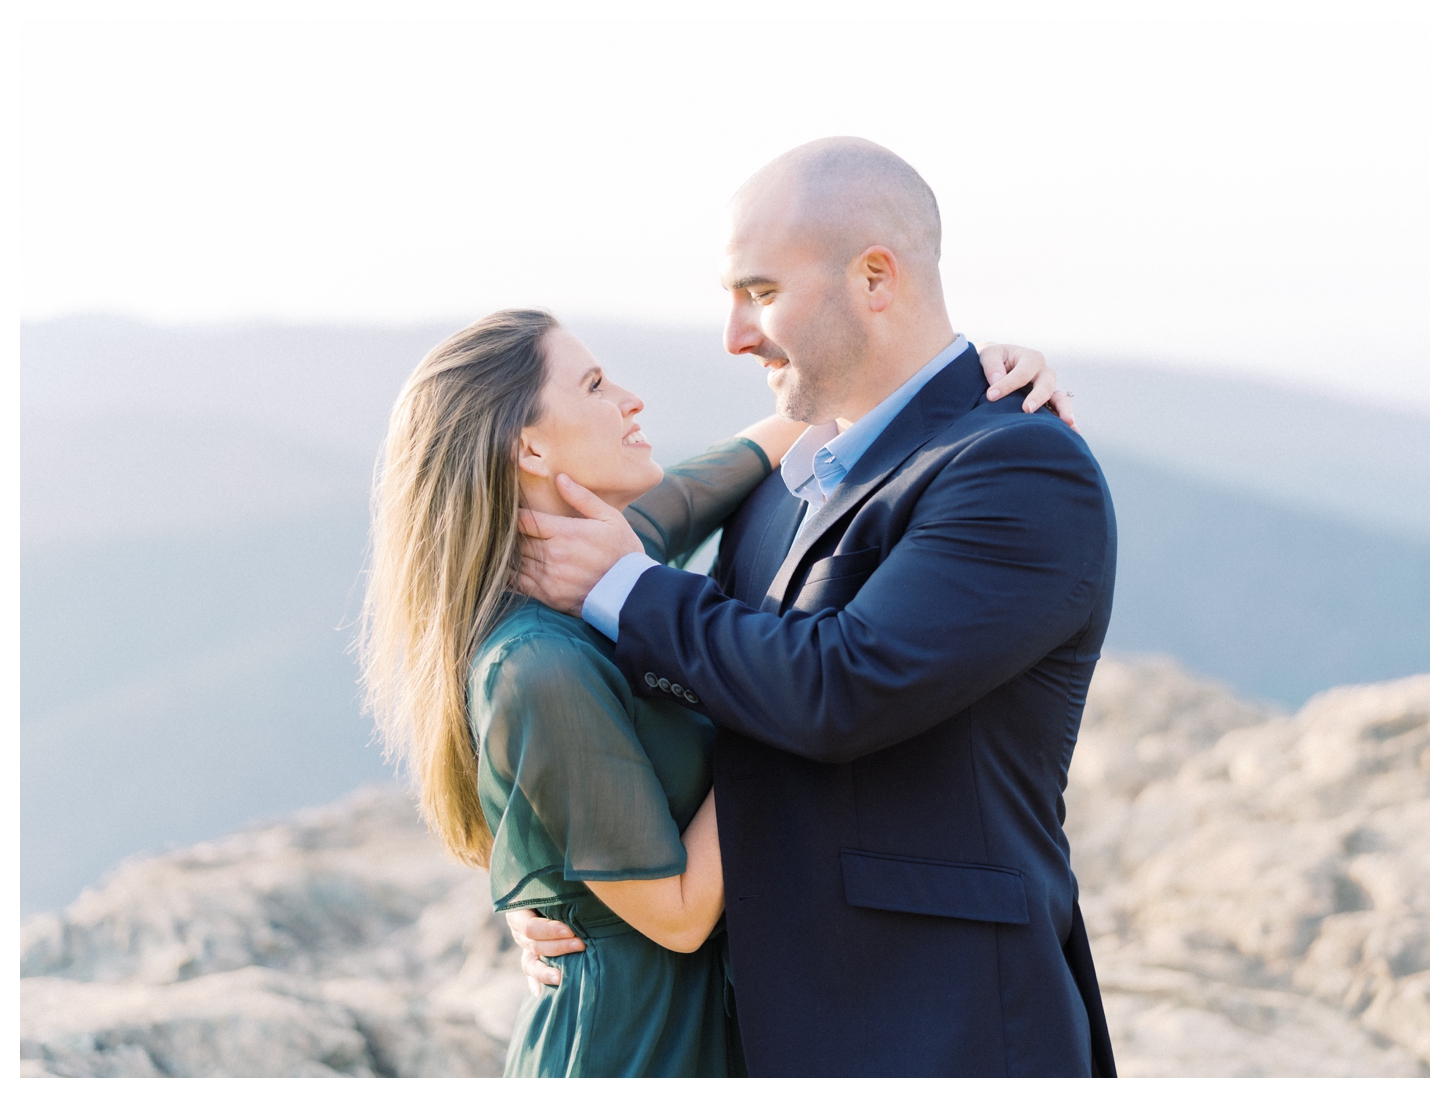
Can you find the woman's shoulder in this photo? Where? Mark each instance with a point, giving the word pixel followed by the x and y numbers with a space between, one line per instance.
pixel 532 641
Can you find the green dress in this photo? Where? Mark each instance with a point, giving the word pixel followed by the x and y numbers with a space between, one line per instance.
pixel 581 780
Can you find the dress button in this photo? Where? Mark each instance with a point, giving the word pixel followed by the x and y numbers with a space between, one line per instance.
pixel 677 690
pixel 663 683
pixel 691 697
pixel 651 678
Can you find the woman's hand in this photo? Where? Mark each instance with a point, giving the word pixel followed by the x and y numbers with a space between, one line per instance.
pixel 1009 367
pixel 538 938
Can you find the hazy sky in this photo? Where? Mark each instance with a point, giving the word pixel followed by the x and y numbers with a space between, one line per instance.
pixel 1228 195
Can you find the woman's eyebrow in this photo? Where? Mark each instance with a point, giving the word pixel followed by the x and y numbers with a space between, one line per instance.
pixel 593 371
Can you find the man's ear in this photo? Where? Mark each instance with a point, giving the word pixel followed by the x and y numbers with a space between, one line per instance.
pixel 877 265
pixel 531 459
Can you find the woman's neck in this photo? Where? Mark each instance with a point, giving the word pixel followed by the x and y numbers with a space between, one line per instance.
pixel 540 494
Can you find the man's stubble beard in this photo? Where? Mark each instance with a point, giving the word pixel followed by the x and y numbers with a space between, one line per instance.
pixel 825 362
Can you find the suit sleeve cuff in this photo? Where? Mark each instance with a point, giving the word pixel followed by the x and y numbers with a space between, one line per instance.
pixel 607 599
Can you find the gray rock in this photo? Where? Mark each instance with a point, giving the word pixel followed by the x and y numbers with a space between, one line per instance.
pixel 338 942
pixel 1256 885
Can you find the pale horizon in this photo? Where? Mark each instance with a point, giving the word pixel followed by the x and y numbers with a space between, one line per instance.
pixel 1238 198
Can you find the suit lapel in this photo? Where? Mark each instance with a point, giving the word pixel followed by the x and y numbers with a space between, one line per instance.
pixel 959 387
pixel 775 544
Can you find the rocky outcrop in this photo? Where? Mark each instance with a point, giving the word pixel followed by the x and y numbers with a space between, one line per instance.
pixel 1256 885
pixel 338 942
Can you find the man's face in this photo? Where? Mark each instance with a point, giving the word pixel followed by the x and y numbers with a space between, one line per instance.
pixel 790 307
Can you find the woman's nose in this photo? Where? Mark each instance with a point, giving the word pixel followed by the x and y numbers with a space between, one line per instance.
pixel 629 404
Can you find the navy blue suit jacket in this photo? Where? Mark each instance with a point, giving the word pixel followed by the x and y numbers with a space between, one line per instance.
pixel 898 697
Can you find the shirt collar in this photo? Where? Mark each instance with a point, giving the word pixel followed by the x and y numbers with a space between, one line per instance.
pixel 799 466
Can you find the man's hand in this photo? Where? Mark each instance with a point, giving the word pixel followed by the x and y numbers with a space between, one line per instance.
pixel 565 557
pixel 1009 367
pixel 539 938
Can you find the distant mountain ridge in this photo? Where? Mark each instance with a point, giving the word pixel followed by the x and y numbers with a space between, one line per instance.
pixel 1357 462
pixel 193 522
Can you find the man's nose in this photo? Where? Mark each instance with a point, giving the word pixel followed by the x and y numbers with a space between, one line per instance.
pixel 741 334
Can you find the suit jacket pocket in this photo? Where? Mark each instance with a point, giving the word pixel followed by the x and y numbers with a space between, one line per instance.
pixel 842 565
pixel 955 890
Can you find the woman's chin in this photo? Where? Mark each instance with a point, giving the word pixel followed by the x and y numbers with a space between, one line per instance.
pixel 650 476
pixel 625 491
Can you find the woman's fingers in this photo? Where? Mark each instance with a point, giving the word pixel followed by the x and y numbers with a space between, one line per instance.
pixel 1044 385
pixel 1061 403
pixel 1022 365
pixel 994 367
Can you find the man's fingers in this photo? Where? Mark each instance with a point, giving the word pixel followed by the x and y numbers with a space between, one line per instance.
pixel 529 523
pixel 533 548
pixel 584 501
pixel 524 585
pixel 531 930
pixel 539 971
pixel 558 947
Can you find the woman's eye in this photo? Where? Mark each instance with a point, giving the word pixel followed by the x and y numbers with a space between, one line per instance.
pixel 595 384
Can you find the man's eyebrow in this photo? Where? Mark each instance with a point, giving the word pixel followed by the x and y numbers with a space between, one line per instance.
pixel 747 281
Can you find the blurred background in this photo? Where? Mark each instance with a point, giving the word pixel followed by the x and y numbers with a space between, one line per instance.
pixel 236 238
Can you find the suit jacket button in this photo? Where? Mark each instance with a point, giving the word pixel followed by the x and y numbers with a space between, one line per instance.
pixel 677 690
pixel 663 683
pixel 651 678
pixel 691 697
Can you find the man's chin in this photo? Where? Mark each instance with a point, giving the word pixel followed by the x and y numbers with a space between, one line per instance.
pixel 789 405
pixel 785 392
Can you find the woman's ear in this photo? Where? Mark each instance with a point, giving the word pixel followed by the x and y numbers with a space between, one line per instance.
pixel 531 460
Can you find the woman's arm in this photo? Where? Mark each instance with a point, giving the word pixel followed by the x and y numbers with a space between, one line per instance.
pixel 697 495
pixel 676 912
pixel 775 435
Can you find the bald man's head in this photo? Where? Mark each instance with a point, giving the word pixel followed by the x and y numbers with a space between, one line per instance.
pixel 845 194
pixel 832 263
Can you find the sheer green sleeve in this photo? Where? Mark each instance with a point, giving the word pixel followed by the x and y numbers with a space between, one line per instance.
pixel 696 497
pixel 559 754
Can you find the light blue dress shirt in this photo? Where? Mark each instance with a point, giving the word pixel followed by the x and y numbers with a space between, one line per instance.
pixel 812 469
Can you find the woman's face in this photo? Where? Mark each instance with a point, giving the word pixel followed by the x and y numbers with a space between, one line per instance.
pixel 587 430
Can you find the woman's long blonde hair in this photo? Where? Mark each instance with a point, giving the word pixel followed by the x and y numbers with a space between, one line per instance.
pixel 444 552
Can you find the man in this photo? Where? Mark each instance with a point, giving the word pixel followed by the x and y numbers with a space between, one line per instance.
pixel 896 646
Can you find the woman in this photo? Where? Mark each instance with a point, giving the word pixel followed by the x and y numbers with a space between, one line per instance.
pixel 533 757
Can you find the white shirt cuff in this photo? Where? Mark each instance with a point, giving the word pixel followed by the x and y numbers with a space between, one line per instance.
pixel 607 599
